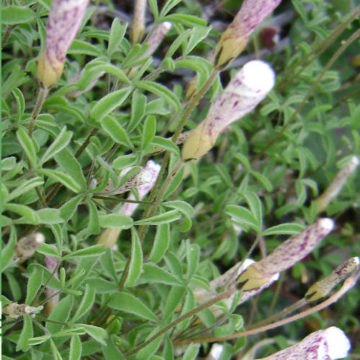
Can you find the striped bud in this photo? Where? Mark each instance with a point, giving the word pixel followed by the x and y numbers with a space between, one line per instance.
pixel 337 184
pixel 284 256
pixel 323 287
pixel 327 344
pixel 235 38
pixel 109 236
pixel 64 20
pixel 244 92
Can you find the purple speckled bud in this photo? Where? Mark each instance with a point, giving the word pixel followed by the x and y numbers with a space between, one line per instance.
pixel 246 89
pixel 156 37
pixel 327 344
pixel 323 287
pixel 285 255
pixel 236 36
pixel 108 236
pixel 65 18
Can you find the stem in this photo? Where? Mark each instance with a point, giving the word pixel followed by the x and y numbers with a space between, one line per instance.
pixel 341 49
pixel 183 317
pixel 43 92
pixel 348 284
pixel 315 52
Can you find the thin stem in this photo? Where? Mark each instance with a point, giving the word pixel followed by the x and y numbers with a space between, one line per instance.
pixel 287 80
pixel 43 92
pixel 348 284
pixel 341 49
pixel 183 317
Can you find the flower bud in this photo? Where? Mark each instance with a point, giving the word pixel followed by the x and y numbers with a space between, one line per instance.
pixel 330 343
pixel 156 37
pixel 15 310
pixel 337 184
pixel 27 245
pixel 284 256
pixel 235 38
pixel 109 236
pixel 52 295
pixel 246 89
pixel 323 287
pixel 64 20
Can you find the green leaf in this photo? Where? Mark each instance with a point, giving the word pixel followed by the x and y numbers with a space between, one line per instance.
pixel 186 209
pixel 48 250
pixel 170 4
pixel 191 352
pixel 69 208
pixel 161 242
pixel 265 182
pixel 55 352
pixel 174 184
pixel 75 348
pixel 93 226
pixel 49 216
pixel 97 333
pixel 255 206
pixel 94 250
pixel 138 106
pixel 198 33
pixel 154 9
pixel 243 216
pixel 62 178
pixel 72 167
pixel 117 33
pixel 8 251
pixel 109 103
pixel 34 284
pixel 136 260
pixel 283 229
pixel 173 300
pixel 86 303
pixel 165 144
pixel 116 131
pixel 26 333
pixel 39 339
pixel 155 274
pixel 129 303
pixel 84 48
pixel 29 215
pixel 25 187
pixel 161 91
pixel 116 221
pixel 60 314
pixel 12 15
pixel 28 145
pixel 20 102
pixel 187 20
pixel 125 161
pixel 193 258
pixel 61 141
pixel 165 218
pixel 149 131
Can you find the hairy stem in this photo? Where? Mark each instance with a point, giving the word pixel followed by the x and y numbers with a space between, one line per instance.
pixel 43 92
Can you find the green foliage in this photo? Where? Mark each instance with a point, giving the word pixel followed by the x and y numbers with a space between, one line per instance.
pixel 114 108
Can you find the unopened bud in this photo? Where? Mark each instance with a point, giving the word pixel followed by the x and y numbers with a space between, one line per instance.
pixel 15 310
pixel 323 287
pixel 235 38
pixel 285 255
pixel 64 20
pixel 246 89
pixel 27 245
pixel 337 184
pixel 327 344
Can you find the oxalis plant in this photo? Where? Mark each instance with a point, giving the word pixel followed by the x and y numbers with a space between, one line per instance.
pixel 179 179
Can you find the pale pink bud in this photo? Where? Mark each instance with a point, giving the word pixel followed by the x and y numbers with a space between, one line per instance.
pixel 108 236
pixel 323 287
pixel 27 245
pixel 327 344
pixel 246 89
pixel 337 184
pixel 64 20
pixel 285 255
pixel 236 36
